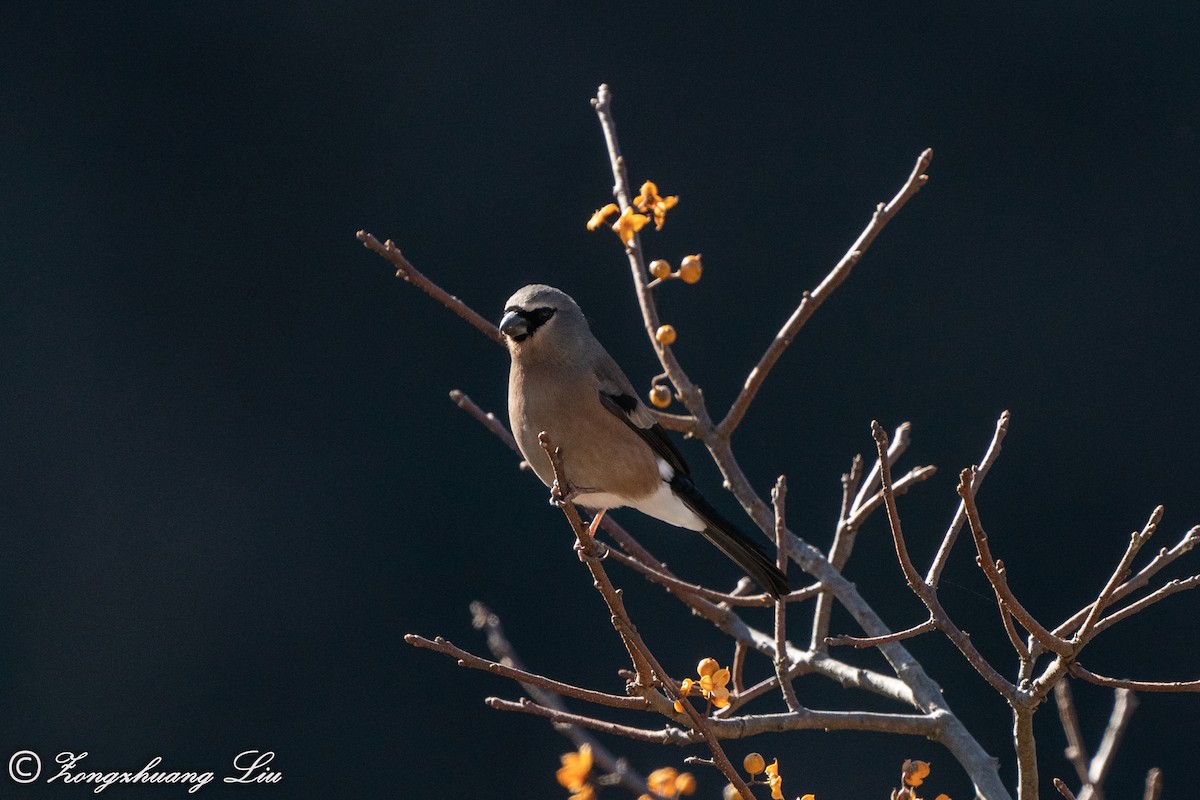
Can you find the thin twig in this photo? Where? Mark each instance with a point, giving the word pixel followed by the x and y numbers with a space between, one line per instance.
pixel 1124 704
pixel 1006 619
pixel 811 301
pixel 410 273
pixel 859 642
pixel 590 556
pixel 999 583
pixel 1164 558
pixel 487 418
pixel 960 515
pixel 854 513
pixel 1079 671
pixel 467 659
pixel 1076 751
pixel 668 735
pixel 647 666
pixel 688 392
pixel 1153 784
pixel 1163 592
pixel 675 584
pixel 926 593
pixel 779 499
pixel 1120 575
pixel 738 665
pixel 486 620
pixel 1063 790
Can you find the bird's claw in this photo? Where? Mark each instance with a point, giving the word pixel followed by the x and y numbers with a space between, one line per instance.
pixel 557 498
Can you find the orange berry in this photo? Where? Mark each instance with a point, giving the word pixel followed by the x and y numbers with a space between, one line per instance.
pixel 685 783
pixel 690 269
pixel 706 667
pixel 660 396
pixel 665 335
pixel 754 763
pixel 660 269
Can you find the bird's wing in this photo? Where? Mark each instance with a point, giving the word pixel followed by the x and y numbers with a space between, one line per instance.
pixel 630 410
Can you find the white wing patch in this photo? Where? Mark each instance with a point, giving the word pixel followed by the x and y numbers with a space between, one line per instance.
pixel 664 504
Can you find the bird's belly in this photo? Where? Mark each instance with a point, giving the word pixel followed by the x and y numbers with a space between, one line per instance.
pixel 662 504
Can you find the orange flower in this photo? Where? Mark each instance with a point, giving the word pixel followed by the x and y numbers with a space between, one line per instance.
pixel 649 200
pixel 711 686
pixel 601 216
pixel 915 772
pixel 629 224
pixel 773 779
pixel 713 689
pixel 574 770
pixel 685 689
pixel 685 783
pixel 662 781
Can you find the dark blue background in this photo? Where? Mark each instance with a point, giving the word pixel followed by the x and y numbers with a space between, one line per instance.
pixel 230 478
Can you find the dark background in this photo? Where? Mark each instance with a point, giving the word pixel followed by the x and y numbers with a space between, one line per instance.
pixel 231 479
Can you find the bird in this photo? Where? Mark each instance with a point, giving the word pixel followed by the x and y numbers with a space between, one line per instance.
pixel 614 453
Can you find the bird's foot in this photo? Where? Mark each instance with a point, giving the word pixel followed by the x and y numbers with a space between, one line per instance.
pixel 595 524
pixel 558 498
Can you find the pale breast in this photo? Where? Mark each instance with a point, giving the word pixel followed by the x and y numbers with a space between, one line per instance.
pixel 601 454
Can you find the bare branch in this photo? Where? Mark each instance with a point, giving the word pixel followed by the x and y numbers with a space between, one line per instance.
pixel 410 273
pixel 668 735
pixel 926 593
pixel 811 301
pixel 926 725
pixel 1124 704
pixel 677 585
pixel 1119 575
pixel 1164 558
pixel 1006 620
pixel 1063 790
pixel 1076 751
pixel 644 661
pixel 858 642
pixel 487 418
pixel 467 659
pixel 1163 592
pixel 997 579
pixel 1026 747
pixel 484 619
pixel 977 475
pixel 1153 784
pixel 779 498
pixel 737 668
pixel 855 512
pixel 688 392
pixel 1138 686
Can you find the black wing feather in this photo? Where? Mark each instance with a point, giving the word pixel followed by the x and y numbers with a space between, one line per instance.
pixel 623 405
pixel 720 531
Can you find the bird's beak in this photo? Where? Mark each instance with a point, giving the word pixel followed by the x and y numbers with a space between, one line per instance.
pixel 514 326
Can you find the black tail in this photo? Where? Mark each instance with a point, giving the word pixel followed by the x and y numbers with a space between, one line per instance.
pixel 731 541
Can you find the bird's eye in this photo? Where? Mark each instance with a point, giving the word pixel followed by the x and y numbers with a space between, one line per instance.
pixel 538 317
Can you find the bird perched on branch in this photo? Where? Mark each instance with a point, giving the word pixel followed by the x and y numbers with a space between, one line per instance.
pixel 564 382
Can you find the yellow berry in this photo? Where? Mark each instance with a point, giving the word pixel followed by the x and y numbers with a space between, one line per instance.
pixel 660 396
pixel 690 269
pixel 754 763
pixel 706 667
pixel 665 335
pixel 660 269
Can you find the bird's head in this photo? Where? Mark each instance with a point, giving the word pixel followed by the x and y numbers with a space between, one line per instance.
pixel 537 314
